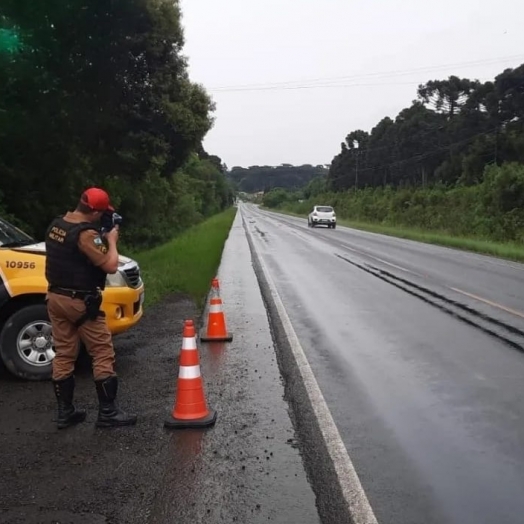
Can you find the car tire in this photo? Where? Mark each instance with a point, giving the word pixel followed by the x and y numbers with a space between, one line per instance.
pixel 18 342
pixel 334 226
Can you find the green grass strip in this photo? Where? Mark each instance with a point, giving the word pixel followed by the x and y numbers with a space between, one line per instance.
pixel 187 263
pixel 508 251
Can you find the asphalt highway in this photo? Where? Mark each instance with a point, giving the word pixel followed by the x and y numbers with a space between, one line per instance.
pixel 418 353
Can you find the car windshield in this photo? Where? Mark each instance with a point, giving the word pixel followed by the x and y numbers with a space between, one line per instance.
pixel 324 209
pixel 11 236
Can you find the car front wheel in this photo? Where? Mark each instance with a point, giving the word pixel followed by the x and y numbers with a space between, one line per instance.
pixel 26 343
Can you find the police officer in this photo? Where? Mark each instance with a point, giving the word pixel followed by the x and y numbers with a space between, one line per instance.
pixel 78 259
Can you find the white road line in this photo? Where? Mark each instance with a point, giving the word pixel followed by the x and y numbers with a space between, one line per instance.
pixel 489 302
pixel 351 487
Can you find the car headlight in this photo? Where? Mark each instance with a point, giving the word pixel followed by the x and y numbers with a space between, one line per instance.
pixel 115 280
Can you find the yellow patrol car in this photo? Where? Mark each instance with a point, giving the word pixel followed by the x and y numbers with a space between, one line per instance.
pixel 26 342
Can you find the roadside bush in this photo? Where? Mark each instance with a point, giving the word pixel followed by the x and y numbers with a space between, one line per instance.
pixel 275 198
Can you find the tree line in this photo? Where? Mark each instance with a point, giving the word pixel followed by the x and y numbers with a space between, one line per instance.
pixel 265 178
pixel 449 134
pixel 97 93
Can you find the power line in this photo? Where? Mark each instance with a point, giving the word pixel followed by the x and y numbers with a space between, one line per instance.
pixel 286 88
pixel 327 81
pixel 380 74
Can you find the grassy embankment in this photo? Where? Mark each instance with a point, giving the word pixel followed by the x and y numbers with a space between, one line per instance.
pixel 187 263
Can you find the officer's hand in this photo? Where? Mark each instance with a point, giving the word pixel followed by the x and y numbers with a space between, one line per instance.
pixel 112 236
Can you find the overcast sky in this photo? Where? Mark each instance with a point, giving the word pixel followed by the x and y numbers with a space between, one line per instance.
pixel 368 56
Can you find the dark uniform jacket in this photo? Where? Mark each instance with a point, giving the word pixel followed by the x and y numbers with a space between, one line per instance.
pixel 67 266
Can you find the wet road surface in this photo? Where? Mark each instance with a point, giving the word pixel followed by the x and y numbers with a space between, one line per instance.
pixel 418 352
pixel 246 469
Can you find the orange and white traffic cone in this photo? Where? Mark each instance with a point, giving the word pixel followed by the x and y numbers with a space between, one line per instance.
pixel 190 409
pixel 216 324
pixel 215 288
pixel 216 330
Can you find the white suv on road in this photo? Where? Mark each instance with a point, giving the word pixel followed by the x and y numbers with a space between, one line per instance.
pixel 322 215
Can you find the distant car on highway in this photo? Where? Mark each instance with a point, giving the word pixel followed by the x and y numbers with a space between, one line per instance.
pixel 322 216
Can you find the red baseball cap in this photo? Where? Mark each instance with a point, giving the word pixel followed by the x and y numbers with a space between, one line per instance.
pixel 97 199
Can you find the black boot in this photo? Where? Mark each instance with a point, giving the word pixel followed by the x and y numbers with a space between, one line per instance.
pixel 67 413
pixel 109 414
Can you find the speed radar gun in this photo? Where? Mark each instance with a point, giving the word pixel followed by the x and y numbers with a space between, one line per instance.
pixel 109 220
